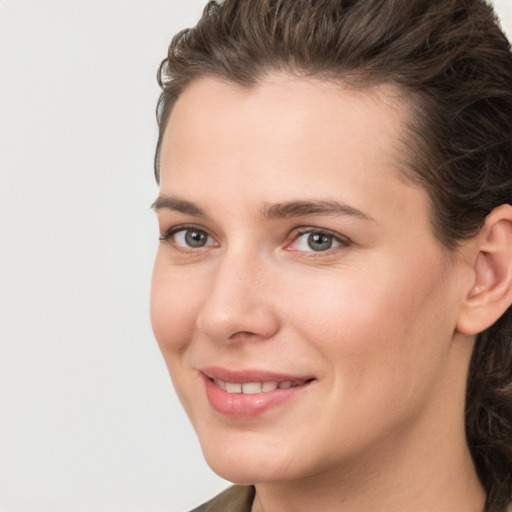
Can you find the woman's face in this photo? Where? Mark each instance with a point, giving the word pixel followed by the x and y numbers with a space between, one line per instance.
pixel 302 304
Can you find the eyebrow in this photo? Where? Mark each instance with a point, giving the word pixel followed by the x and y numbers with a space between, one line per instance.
pixel 269 211
pixel 311 207
pixel 179 205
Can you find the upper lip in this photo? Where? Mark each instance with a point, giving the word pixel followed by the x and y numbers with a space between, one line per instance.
pixel 250 375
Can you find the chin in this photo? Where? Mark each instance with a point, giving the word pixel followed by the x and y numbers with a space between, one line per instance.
pixel 236 475
pixel 247 463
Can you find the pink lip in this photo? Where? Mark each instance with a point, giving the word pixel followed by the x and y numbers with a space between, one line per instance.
pixel 247 406
pixel 249 375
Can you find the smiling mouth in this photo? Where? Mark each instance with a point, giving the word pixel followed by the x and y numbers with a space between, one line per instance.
pixel 248 394
pixel 252 388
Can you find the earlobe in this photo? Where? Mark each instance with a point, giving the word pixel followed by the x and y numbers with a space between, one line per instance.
pixel 491 292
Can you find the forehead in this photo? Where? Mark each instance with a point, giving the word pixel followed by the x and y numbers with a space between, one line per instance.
pixel 289 130
pixel 220 111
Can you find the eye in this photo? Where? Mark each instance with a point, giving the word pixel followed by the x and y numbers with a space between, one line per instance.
pixel 317 241
pixel 188 238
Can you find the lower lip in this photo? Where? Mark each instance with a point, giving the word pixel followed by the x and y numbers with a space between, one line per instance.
pixel 246 406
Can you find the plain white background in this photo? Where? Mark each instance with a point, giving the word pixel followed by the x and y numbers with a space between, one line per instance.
pixel 89 421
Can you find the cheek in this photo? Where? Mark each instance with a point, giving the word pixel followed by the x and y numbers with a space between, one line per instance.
pixel 175 303
pixel 174 307
pixel 378 331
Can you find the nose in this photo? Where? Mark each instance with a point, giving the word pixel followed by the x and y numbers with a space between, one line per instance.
pixel 239 304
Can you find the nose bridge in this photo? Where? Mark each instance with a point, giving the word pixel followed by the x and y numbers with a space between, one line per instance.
pixel 239 302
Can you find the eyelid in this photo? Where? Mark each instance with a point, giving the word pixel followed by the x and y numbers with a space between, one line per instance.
pixel 168 234
pixel 342 240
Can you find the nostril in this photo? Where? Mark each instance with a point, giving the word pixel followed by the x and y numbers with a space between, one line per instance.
pixel 243 334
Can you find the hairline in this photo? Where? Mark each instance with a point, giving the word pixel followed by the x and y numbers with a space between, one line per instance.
pixel 407 152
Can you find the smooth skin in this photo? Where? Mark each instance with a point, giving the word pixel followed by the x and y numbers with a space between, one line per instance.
pixel 352 287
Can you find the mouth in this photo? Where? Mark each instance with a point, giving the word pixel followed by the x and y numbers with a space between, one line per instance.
pixel 253 388
pixel 249 394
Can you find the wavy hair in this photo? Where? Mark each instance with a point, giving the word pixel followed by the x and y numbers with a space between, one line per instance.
pixel 454 61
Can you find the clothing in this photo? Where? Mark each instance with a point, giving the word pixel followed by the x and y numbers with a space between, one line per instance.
pixel 237 498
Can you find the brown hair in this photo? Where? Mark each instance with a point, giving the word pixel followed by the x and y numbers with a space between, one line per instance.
pixel 452 58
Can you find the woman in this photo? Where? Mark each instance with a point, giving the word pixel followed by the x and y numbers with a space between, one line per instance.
pixel 332 289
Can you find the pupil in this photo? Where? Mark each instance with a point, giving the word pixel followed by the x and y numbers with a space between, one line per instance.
pixel 319 242
pixel 195 238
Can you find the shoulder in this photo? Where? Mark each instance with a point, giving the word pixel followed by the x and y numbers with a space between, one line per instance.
pixel 237 498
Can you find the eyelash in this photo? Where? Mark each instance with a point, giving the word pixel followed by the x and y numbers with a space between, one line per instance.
pixel 341 240
pixel 170 233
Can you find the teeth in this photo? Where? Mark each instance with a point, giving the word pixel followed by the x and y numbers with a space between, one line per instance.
pixel 220 383
pixel 251 388
pixel 232 387
pixel 269 386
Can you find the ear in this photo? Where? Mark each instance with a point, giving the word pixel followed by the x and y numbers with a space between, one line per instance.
pixel 491 291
